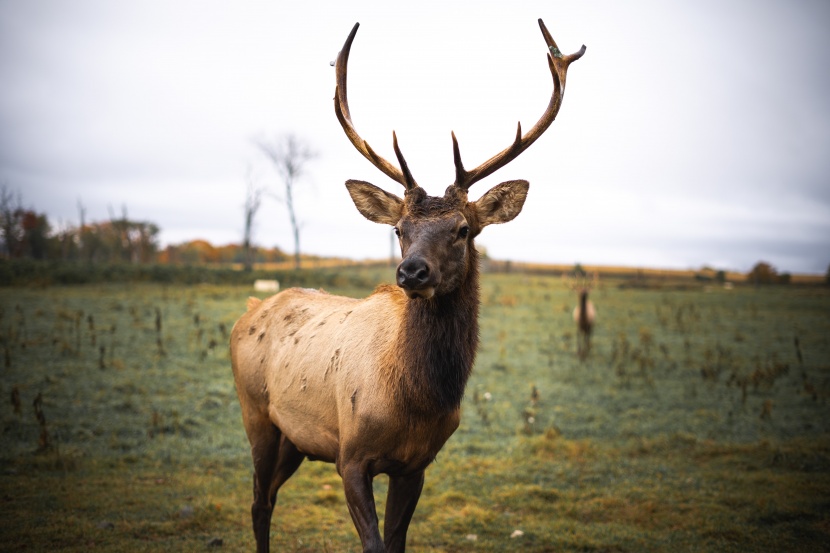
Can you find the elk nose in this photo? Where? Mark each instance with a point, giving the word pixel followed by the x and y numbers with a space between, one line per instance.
pixel 413 273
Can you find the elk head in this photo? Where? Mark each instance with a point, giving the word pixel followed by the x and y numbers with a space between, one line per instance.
pixel 580 281
pixel 436 233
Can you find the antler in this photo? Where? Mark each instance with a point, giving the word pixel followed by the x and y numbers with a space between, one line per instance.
pixel 559 68
pixel 579 280
pixel 463 179
pixel 341 108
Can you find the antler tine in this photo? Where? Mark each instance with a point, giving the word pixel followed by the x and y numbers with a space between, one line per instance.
pixel 559 61
pixel 409 182
pixel 341 109
pixel 460 173
pixel 558 65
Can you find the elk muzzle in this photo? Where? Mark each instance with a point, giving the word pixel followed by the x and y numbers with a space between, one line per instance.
pixel 417 278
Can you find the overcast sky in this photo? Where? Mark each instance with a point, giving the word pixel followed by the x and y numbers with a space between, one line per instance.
pixel 691 133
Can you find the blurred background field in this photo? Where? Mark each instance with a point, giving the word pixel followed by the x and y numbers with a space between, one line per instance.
pixel 698 422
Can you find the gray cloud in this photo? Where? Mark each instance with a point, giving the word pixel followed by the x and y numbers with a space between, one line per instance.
pixel 690 134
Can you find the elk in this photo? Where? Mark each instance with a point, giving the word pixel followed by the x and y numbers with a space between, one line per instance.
pixel 374 385
pixel 584 313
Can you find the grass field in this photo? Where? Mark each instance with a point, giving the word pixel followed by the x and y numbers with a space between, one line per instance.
pixel 699 422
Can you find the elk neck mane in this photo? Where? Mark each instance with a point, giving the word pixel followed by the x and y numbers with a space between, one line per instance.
pixel 437 348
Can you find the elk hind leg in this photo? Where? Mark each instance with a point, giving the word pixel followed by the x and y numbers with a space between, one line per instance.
pixel 275 460
pixel 289 460
pixel 265 439
pixel 583 344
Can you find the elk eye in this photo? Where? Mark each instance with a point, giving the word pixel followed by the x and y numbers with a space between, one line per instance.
pixel 397 232
pixel 463 232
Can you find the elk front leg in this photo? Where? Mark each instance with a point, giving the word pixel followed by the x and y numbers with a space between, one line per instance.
pixel 357 483
pixel 404 492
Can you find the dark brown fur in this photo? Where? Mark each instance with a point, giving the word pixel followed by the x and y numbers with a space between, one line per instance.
pixel 438 349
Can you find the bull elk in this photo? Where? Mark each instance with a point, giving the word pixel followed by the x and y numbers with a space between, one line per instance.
pixel 374 385
pixel 584 313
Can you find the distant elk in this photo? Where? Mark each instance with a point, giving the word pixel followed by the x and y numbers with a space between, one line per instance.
pixel 375 385
pixel 584 313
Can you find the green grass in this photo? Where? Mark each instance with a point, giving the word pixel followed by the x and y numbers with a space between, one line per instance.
pixel 693 425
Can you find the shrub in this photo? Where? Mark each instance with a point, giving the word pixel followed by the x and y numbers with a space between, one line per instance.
pixel 29 272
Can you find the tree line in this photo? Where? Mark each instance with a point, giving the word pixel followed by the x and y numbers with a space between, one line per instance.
pixel 25 233
pixel 28 234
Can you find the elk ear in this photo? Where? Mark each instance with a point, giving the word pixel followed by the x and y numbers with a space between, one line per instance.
pixel 502 202
pixel 375 204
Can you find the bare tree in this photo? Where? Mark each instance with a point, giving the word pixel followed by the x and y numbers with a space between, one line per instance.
pixel 11 213
pixel 121 238
pixel 81 228
pixel 289 156
pixel 253 199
